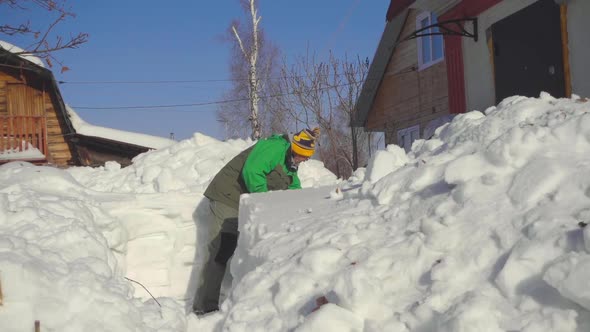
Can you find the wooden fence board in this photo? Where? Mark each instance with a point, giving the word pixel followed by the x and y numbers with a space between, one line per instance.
pixel 19 133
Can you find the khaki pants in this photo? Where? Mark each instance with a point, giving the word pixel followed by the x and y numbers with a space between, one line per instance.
pixel 222 237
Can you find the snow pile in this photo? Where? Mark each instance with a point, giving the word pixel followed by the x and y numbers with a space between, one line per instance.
pixel 185 167
pixel 165 211
pixel 478 231
pixel 57 262
pixel 161 203
pixel 68 238
pixel 385 162
pixel 479 228
pixel 312 173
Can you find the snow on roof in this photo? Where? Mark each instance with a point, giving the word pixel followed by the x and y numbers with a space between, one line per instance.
pixel 15 49
pixel 149 141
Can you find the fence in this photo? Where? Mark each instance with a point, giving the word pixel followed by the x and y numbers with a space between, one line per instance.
pixel 20 134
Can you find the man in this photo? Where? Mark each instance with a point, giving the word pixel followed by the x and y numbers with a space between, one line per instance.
pixel 271 164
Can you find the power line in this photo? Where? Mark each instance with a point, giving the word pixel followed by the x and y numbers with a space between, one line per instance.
pixel 179 81
pixel 150 82
pixel 144 107
pixel 226 101
pixel 161 106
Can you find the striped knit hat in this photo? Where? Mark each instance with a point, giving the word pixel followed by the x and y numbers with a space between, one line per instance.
pixel 303 142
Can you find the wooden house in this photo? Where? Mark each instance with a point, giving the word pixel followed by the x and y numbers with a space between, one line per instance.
pixel 34 122
pixel 491 49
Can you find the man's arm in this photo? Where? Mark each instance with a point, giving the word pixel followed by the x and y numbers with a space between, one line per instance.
pixel 265 156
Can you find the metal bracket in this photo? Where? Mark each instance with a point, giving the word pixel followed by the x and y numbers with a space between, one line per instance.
pixel 448 27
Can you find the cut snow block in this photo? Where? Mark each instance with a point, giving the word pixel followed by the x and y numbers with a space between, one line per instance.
pixel 569 274
pixel 258 221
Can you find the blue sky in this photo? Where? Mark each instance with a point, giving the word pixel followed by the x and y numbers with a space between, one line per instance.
pixel 138 40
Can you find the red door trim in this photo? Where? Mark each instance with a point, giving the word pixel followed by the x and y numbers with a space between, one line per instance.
pixel 454 51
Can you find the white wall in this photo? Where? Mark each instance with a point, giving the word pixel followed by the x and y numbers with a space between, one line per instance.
pixel 479 81
pixel 578 27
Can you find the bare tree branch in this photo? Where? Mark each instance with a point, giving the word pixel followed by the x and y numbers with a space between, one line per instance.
pixel 233 27
pixel 40 45
pixel 324 94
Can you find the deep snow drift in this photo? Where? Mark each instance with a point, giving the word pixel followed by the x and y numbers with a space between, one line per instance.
pixel 68 238
pixel 477 229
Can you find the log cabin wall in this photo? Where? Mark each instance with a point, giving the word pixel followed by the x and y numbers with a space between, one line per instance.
pixel 26 93
pixel 3 94
pixel 406 96
pixel 61 149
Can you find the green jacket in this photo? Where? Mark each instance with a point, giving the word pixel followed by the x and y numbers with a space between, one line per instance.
pixel 260 168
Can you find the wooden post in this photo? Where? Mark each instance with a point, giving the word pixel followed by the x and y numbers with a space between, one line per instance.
pixel 18 147
pixel 37 326
pixel 10 130
pixel 3 136
pixel 1 296
pixel 565 51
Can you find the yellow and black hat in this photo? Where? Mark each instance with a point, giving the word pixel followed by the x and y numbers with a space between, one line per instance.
pixel 303 142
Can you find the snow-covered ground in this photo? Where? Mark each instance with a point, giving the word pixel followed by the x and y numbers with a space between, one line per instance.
pixel 477 229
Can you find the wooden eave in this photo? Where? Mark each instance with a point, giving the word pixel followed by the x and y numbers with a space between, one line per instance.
pixel 387 45
pixel 112 144
pixel 396 7
pixel 436 6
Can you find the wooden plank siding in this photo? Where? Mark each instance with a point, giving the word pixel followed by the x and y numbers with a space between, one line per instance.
pixel 406 96
pixel 25 98
pixel 22 100
pixel 3 108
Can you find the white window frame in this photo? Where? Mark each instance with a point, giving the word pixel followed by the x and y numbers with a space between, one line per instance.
pixel 408 132
pixel 422 65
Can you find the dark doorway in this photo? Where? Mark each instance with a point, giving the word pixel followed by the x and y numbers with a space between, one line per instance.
pixel 528 55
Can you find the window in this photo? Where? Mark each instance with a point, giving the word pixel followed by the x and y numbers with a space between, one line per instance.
pixel 430 48
pixel 407 136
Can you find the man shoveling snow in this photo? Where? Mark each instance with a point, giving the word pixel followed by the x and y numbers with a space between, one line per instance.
pixel 271 164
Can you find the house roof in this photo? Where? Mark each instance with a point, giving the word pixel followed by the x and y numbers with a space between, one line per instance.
pixel 15 49
pixel 435 6
pixel 387 45
pixel 33 64
pixel 137 139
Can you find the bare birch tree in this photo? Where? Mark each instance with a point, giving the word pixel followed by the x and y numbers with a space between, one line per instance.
pixel 235 116
pixel 43 41
pixel 250 53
